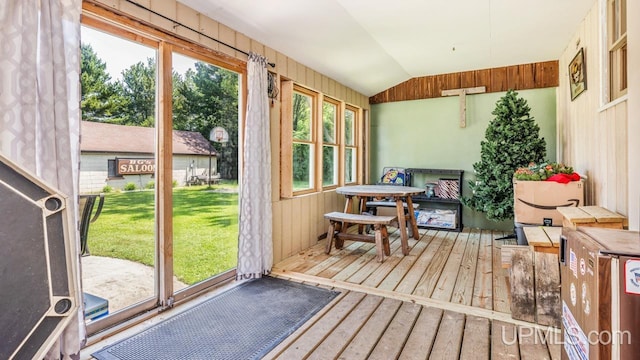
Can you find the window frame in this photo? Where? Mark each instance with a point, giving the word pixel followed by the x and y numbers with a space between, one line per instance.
pixel 614 50
pixel 336 142
pixel 312 141
pixel 355 146
pixel 287 89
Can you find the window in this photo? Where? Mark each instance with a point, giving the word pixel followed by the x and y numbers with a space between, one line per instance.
pixel 330 149
pixel 350 148
pixel 617 46
pixel 320 141
pixel 303 140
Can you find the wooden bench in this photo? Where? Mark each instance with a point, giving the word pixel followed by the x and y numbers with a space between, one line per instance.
pixel 379 223
pixel 543 238
pixel 594 216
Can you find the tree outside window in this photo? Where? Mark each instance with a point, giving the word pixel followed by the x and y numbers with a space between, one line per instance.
pixel 302 142
pixel 330 160
pixel 350 154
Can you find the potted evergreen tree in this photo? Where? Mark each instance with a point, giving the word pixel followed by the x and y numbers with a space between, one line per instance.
pixel 512 141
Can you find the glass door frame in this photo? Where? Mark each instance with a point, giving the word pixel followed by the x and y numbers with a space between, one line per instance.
pixel 122 25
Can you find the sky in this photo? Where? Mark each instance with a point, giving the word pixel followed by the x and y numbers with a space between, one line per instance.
pixel 120 54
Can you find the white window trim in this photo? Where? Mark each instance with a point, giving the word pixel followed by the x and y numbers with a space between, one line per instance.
pixel 605 79
pixel 604 56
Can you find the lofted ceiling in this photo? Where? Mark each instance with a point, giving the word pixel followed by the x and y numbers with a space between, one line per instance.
pixel 372 45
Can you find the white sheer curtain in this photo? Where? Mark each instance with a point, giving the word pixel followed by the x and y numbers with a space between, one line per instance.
pixel 255 248
pixel 39 106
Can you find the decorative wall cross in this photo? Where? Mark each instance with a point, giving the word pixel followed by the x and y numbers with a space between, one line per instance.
pixel 463 100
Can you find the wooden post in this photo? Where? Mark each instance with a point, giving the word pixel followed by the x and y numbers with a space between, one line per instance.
pixel 523 301
pixel 547 282
pixel 463 100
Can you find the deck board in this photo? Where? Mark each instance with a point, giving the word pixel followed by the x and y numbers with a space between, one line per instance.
pixel 449 338
pixel 483 285
pixel 364 260
pixel 476 339
pixel 500 281
pixel 448 299
pixel 302 329
pixel 447 280
pixel 337 256
pixel 337 340
pixel 431 275
pixel 504 341
pixel 393 339
pixel 361 345
pixel 531 346
pixel 382 271
pixel 318 331
pixel 399 271
pixel 345 261
pixel 463 289
pixel 411 279
pixel 423 334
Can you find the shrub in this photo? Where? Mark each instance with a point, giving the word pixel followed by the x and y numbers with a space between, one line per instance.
pixel 174 183
pixel 107 189
pixel 150 185
pixel 130 186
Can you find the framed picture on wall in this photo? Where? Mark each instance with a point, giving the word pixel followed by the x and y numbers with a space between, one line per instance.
pixel 577 75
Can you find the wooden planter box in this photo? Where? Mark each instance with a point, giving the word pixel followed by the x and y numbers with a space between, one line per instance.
pixel 535 202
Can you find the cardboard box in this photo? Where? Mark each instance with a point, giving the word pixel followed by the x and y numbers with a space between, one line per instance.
pixel 535 202
pixel 436 218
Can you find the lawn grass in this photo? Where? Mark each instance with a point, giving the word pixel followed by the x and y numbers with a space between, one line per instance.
pixel 205 230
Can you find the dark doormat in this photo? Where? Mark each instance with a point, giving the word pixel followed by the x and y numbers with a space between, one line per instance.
pixel 245 322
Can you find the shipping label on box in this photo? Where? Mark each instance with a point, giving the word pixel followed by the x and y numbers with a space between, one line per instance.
pixel 535 202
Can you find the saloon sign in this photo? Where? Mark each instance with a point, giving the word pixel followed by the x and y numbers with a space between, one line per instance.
pixel 135 166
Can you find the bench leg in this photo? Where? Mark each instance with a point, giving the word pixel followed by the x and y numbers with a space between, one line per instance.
pixel 379 247
pixel 340 227
pixel 385 240
pixel 330 236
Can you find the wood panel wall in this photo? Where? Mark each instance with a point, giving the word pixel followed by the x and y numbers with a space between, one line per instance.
pixel 516 77
pixel 592 136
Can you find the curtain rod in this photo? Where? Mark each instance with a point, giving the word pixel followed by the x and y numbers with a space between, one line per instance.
pixel 192 29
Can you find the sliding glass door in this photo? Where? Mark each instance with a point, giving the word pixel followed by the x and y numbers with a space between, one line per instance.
pixel 205 210
pixel 159 172
pixel 117 166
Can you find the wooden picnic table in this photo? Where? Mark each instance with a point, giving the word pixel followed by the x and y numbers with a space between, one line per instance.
pixel 399 194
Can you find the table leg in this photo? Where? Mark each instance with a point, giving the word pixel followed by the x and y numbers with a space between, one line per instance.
pixel 361 209
pixel 412 218
pixel 348 205
pixel 402 224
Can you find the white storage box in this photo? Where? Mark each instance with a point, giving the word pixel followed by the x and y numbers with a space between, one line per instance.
pixel 436 218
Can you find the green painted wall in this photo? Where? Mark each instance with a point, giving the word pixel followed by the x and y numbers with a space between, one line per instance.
pixel 426 134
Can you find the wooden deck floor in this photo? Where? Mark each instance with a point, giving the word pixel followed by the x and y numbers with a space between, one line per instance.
pixel 448 299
